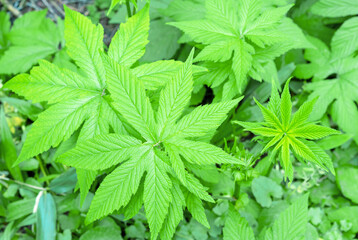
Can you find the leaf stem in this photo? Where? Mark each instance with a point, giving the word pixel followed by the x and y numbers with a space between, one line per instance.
pixel 43 169
pixel 23 184
pixel 128 9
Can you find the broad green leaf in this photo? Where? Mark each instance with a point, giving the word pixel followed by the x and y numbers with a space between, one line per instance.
pixel 7 147
pixel 101 152
pixel 160 47
pixel 156 74
pixel 346 179
pixel 291 224
pixel 263 188
pixel 46 218
pixel 333 141
pixel 219 51
pixel 55 84
pixel 55 125
pixel 117 188
pixel 221 13
pixel 204 31
pixel 241 63
pixel 345 39
pixel 333 8
pixel 128 44
pixel 130 97
pixel 83 42
pixel 157 193
pixel 347 213
pixel 102 233
pixel 196 208
pixel 175 213
pixel 33 37
pixel 236 227
pixel 202 119
pixel 175 97
pixel 201 153
pixel 4 29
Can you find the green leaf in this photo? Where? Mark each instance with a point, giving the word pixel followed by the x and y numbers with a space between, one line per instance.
pixel 128 44
pixel 196 208
pixel 312 131
pixel 102 233
pixel 33 37
pixel 348 213
pixel 55 125
pixel 333 141
pixel 204 31
pixel 201 153
pixel 101 152
pixel 65 183
pixel 130 97
pixel 175 213
pixel 83 42
pixel 345 39
pixel 291 224
pixel 221 13
pixel 332 8
pixel 269 116
pixel 202 120
pixel 175 97
pixel 7 147
pixel 286 106
pixel 236 227
pixel 46 218
pixel 157 184
pixel 155 75
pixel 285 155
pixel 263 188
pixel 55 84
pixel 117 188
pixel 302 114
pixel 160 47
pixel 346 179
pixel 241 63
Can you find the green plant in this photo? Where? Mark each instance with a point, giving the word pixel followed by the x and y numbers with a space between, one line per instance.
pixel 284 132
pixel 241 39
pixel 154 153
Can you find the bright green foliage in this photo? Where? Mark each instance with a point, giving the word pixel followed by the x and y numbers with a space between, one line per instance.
pixel 290 224
pixel 160 154
pixel 285 132
pixel 246 35
pixel 335 8
pixel 339 92
pixel 236 227
pixel 80 99
pixel 32 37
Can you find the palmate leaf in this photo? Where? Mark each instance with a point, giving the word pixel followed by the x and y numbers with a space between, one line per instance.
pixel 161 159
pixel 339 93
pixel 234 31
pixel 80 99
pixel 284 132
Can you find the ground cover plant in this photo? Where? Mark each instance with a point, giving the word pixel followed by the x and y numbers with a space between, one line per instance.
pixel 180 119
